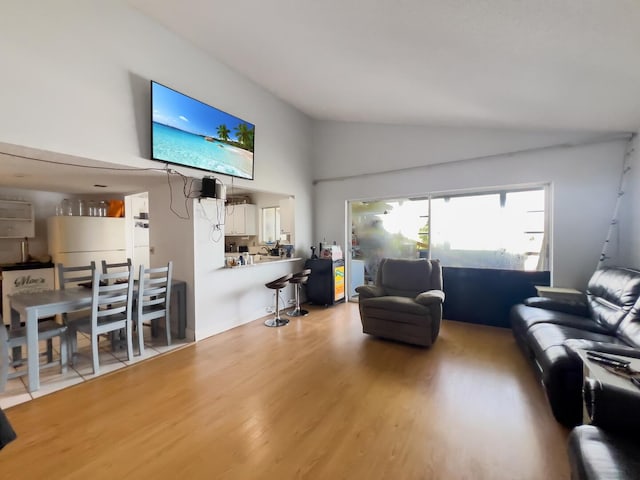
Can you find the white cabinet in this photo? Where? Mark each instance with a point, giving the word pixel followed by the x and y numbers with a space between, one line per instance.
pixel 16 219
pixel 287 215
pixel 240 219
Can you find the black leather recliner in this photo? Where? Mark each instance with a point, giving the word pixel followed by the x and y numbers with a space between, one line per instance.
pixel 609 322
pixel 609 448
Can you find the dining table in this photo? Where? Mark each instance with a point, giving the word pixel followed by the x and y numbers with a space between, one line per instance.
pixel 31 306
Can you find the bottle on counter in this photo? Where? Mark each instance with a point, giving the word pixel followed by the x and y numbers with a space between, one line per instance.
pixel 24 250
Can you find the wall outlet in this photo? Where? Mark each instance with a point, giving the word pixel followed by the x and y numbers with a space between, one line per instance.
pixel 269 309
pixel 291 301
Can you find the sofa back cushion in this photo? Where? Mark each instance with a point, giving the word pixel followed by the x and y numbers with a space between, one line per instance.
pixel 612 295
pixel 408 278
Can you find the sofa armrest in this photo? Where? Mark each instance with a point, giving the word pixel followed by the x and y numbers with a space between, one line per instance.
pixel 612 408
pixel 369 291
pixel 430 297
pixel 612 348
pixel 566 306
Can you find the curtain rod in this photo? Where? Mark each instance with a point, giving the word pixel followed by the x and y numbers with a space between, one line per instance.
pixel 591 141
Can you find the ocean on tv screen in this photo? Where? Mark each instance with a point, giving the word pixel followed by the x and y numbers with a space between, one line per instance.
pixel 207 153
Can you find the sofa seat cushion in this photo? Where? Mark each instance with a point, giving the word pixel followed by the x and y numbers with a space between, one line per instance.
pixel 546 335
pixel 524 317
pixel 596 454
pixel 405 310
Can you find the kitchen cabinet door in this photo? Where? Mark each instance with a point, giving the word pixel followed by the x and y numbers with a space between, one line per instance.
pixel 287 215
pixel 240 219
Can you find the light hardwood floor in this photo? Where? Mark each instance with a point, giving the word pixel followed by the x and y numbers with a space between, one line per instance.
pixel 316 399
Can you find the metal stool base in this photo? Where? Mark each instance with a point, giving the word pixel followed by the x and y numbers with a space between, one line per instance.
pixel 298 312
pixel 276 322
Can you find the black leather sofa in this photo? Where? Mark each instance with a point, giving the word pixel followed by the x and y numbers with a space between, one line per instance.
pixel 609 321
pixel 609 448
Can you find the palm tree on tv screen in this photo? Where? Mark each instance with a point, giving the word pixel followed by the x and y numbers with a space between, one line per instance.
pixel 245 135
pixel 223 132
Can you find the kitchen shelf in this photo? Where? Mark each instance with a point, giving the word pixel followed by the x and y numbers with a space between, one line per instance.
pixel 16 219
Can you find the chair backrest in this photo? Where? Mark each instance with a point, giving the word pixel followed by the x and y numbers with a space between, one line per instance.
pixel 117 266
pixel 154 291
pixel 408 278
pixel 75 275
pixel 112 296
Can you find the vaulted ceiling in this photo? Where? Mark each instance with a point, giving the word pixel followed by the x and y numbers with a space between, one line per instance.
pixel 543 64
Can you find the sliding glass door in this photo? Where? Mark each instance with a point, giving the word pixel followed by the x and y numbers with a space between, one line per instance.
pixel 502 229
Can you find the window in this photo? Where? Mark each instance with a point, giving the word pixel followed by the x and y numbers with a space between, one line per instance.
pixel 270 224
pixel 504 229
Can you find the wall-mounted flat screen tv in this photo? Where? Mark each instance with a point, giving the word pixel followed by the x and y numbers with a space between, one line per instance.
pixel 187 132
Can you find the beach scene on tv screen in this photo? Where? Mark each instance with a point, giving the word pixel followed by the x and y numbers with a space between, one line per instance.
pixel 191 133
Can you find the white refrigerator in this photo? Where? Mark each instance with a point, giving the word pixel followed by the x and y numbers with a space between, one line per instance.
pixel 75 241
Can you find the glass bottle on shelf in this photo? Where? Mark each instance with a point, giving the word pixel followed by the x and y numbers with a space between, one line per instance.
pixel 65 207
pixel 104 207
pixel 92 208
pixel 80 207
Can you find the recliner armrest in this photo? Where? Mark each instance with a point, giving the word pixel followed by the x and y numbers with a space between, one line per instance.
pixel 430 297
pixel 612 408
pixel 370 291
pixel 571 307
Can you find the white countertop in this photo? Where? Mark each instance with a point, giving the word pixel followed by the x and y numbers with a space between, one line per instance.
pixel 267 261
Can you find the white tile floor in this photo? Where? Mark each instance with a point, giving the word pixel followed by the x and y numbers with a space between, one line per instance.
pixel 51 380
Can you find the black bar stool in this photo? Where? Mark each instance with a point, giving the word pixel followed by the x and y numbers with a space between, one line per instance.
pixel 277 285
pixel 298 280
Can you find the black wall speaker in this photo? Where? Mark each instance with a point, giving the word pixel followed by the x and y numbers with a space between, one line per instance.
pixel 208 189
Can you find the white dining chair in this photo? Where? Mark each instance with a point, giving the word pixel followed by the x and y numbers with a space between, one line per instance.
pixel 153 300
pixel 116 266
pixel 111 310
pixel 72 276
pixel 117 337
pixel 17 337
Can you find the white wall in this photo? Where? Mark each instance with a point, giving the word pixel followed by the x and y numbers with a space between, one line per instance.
pixel 75 80
pixel 584 178
pixel 228 297
pixel 630 214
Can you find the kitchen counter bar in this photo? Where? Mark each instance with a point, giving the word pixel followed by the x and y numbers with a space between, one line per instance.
pixel 267 262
